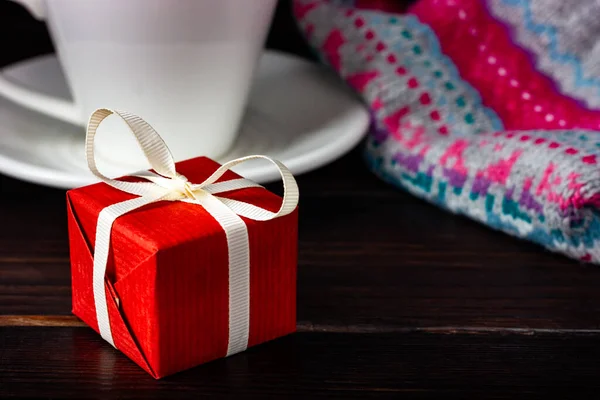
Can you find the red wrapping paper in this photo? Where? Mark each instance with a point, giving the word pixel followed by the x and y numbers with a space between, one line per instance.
pixel 167 274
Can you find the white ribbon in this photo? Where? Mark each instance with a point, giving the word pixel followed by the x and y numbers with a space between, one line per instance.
pixel 169 185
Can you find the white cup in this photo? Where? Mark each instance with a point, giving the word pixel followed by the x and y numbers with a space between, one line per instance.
pixel 185 66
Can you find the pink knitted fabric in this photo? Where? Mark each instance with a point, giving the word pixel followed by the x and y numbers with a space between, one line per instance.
pixel 466 114
pixel 502 72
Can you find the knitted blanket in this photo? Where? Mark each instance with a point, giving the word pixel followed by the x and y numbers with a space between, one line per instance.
pixel 484 108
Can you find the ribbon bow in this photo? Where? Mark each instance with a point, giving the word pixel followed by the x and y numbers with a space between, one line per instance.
pixel 167 184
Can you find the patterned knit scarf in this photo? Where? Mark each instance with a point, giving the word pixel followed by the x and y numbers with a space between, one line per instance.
pixel 485 108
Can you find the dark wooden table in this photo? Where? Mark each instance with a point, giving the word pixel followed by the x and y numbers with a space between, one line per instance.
pixel 396 298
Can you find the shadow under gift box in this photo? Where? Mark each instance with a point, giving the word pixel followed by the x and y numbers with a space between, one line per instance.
pixel 167 277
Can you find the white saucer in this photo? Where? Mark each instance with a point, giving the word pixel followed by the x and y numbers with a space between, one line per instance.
pixel 298 113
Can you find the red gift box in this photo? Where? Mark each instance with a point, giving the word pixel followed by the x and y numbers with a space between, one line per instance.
pixel 167 280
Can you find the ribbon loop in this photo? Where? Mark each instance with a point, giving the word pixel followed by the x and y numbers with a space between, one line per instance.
pixel 156 151
pixel 168 185
pixel 290 187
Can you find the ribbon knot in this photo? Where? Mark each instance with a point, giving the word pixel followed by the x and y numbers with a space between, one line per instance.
pixel 190 192
pixel 177 188
pixel 186 189
pixel 167 184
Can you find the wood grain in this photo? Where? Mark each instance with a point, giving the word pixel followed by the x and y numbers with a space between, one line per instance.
pixel 396 298
pixel 368 257
pixel 76 363
pixel 41 320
